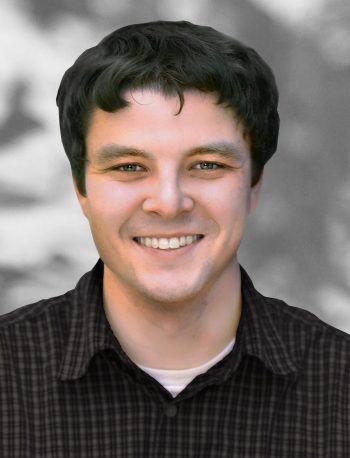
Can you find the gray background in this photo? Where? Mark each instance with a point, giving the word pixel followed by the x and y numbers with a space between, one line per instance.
pixel 298 243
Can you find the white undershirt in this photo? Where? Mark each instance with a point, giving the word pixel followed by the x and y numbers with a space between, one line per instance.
pixel 175 380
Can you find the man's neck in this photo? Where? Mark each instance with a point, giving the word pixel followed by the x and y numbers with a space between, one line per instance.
pixel 178 338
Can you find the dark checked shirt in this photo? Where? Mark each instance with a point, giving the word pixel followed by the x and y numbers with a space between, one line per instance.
pixel 67 389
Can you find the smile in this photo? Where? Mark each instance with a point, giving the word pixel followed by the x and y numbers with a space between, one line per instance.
pixel 164 243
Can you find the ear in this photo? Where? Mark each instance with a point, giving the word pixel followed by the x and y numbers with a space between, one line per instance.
pixel 83 201
pixel 255 193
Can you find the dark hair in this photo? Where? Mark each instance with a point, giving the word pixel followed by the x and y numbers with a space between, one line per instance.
pixel 171 57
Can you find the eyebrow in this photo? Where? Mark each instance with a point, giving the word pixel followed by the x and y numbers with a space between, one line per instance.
pixel 227 150
pixel 107 153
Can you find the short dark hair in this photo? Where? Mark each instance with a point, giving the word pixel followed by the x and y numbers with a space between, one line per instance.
pixel 171 57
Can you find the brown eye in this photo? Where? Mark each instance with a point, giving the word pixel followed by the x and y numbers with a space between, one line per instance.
pixel 208 166
pixel 129 168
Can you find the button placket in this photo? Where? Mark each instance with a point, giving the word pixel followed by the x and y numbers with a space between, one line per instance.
pixel 171 410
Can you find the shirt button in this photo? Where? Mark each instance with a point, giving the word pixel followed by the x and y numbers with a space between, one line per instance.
pixel 171 411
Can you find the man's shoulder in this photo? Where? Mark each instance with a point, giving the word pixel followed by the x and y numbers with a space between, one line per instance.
pixel 35 312
pixel 42 339
pixel 299 323
pixel 49 311
pixel 287 323
pixel 33 339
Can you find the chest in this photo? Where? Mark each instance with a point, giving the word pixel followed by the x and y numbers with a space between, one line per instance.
pixel 112 413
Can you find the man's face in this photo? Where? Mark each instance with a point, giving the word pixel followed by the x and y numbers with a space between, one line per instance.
pixel 167 195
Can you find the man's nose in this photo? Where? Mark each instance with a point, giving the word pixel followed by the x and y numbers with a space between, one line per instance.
pixel 168 197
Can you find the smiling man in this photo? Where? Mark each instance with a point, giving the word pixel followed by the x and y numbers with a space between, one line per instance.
pixel 165 348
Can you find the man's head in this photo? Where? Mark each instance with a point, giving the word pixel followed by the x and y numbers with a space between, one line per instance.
pixel 168 127
pixel 172 58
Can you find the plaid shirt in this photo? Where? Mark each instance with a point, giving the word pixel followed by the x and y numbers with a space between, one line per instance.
pixel 67 389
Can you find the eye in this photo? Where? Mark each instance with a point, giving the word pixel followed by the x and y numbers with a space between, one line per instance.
pixel 130 167
pixel 205 165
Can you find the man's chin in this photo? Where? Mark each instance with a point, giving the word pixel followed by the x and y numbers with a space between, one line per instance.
pixel 170 298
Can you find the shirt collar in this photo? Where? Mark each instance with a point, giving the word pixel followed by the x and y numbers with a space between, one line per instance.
pixel 89 330
pixel 261 331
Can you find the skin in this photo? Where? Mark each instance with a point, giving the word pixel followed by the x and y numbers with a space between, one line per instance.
pixel 153 172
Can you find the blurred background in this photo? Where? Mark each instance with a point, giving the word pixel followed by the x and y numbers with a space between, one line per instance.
pixel 297 247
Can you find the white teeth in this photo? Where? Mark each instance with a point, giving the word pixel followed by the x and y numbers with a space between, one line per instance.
pixel 174 242
pixel 166 244
pixel 163 244
pixel 182 241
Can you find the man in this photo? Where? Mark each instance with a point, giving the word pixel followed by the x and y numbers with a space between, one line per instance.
pixel 165 349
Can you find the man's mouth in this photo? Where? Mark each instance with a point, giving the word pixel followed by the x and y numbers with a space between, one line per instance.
pixel 164 243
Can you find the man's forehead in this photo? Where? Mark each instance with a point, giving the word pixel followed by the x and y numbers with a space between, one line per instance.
pixel 158 101
pixel 150 96
pixel 152 122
